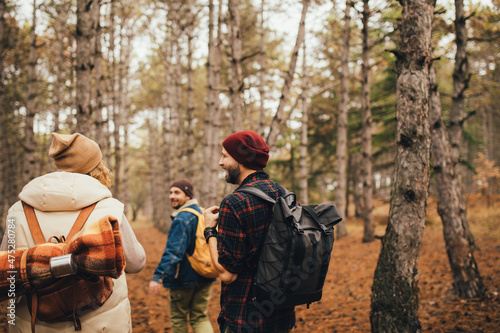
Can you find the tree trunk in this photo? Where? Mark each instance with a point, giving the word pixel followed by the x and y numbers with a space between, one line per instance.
pixel 279 118
pixel 99 81
pixel 341 154
pixel 167 161
pixel 467 280
pixel 395 300
pixel 191 165
pixel 61 18
pixel 236 82
pixel 152 155
pixel 178 119
pixel 303 163
pixel 29 134
pixel 367 198
pixel 126 49
pixel 262 67
pixel 85 43
pixel 118 116
pixel 168 153
pixel 212 150
pixel 461 78
pixel 111 97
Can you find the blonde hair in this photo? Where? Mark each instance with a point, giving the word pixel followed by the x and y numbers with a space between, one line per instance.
pixel 102 174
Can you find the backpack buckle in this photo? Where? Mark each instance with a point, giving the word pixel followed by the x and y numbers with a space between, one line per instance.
pixel 325 229
pixel 297 226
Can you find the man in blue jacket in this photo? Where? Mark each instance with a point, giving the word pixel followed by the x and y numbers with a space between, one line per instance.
pixel 189 292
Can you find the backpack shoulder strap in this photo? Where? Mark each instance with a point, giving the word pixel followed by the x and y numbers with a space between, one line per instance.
pixel 80 221
pixel 257 192
pixel 36 231
pixel 192 211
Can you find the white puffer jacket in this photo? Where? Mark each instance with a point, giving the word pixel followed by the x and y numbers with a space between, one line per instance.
pixel 58 198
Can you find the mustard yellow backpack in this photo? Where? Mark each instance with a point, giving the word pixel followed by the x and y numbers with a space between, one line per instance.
pixel 201 260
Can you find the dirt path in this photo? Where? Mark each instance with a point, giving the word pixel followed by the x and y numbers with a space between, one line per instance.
pixel 345 306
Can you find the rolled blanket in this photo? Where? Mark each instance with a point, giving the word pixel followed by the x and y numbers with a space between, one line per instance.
pixel 97 250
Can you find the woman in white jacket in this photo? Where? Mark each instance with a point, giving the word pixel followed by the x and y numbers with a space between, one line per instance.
pixel 81 180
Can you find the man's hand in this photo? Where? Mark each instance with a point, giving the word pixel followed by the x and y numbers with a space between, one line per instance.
pixel 211 215
pixel 154 287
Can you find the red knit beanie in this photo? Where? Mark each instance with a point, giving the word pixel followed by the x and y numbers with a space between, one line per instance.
pixel 185 185
pixel 247 148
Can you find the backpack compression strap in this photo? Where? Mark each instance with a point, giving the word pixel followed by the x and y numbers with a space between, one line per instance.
pixel 36 231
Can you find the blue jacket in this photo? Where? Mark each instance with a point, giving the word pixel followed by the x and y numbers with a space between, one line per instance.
pixel 174 269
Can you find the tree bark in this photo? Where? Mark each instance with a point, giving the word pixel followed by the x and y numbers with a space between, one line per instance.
pixel 236 84
pixel 341 153
pixel 99 81
pixel 262 68
pixel 191 165
pixel 395 288
pixel 367 198
pixel 152 156
pixel 461 78
pixel 126 49
pixel 85 43
pixel 29 134
pixel 466 277
pixel 60 23
pixel 177 116
pixel 211 151
pixel 303 162
pixel 279 118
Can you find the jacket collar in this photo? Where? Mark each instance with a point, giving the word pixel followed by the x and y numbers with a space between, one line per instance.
pixel 258 175
pixel 188 203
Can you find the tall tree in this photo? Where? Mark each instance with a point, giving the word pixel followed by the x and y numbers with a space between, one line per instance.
pixel 467 280
pixel 99 83
pixel 395 301
pixel 29 134
pixel 471 285
pixel 211 148
pixel 366 166
pixel 190 167
pixel 341 153
pixel 86 27
pixel 112 99
pixel 262 65
pixel 236 84
pixel 279 118
pixel 152 157
pixel 303 163
pixel 59 13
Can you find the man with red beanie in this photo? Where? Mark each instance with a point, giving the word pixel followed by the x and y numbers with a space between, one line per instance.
pixel 243 220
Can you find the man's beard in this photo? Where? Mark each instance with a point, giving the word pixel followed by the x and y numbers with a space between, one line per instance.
pixel 233 174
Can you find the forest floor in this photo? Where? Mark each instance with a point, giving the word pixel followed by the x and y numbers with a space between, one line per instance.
pixel 345 306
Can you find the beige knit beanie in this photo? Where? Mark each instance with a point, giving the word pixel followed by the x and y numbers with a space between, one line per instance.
pixel 74 153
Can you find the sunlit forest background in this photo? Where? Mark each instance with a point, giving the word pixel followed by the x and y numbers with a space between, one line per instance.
pixel 357 106
pixel 150 101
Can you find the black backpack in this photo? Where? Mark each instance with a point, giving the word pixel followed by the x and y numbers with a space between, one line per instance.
pixel 296 252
